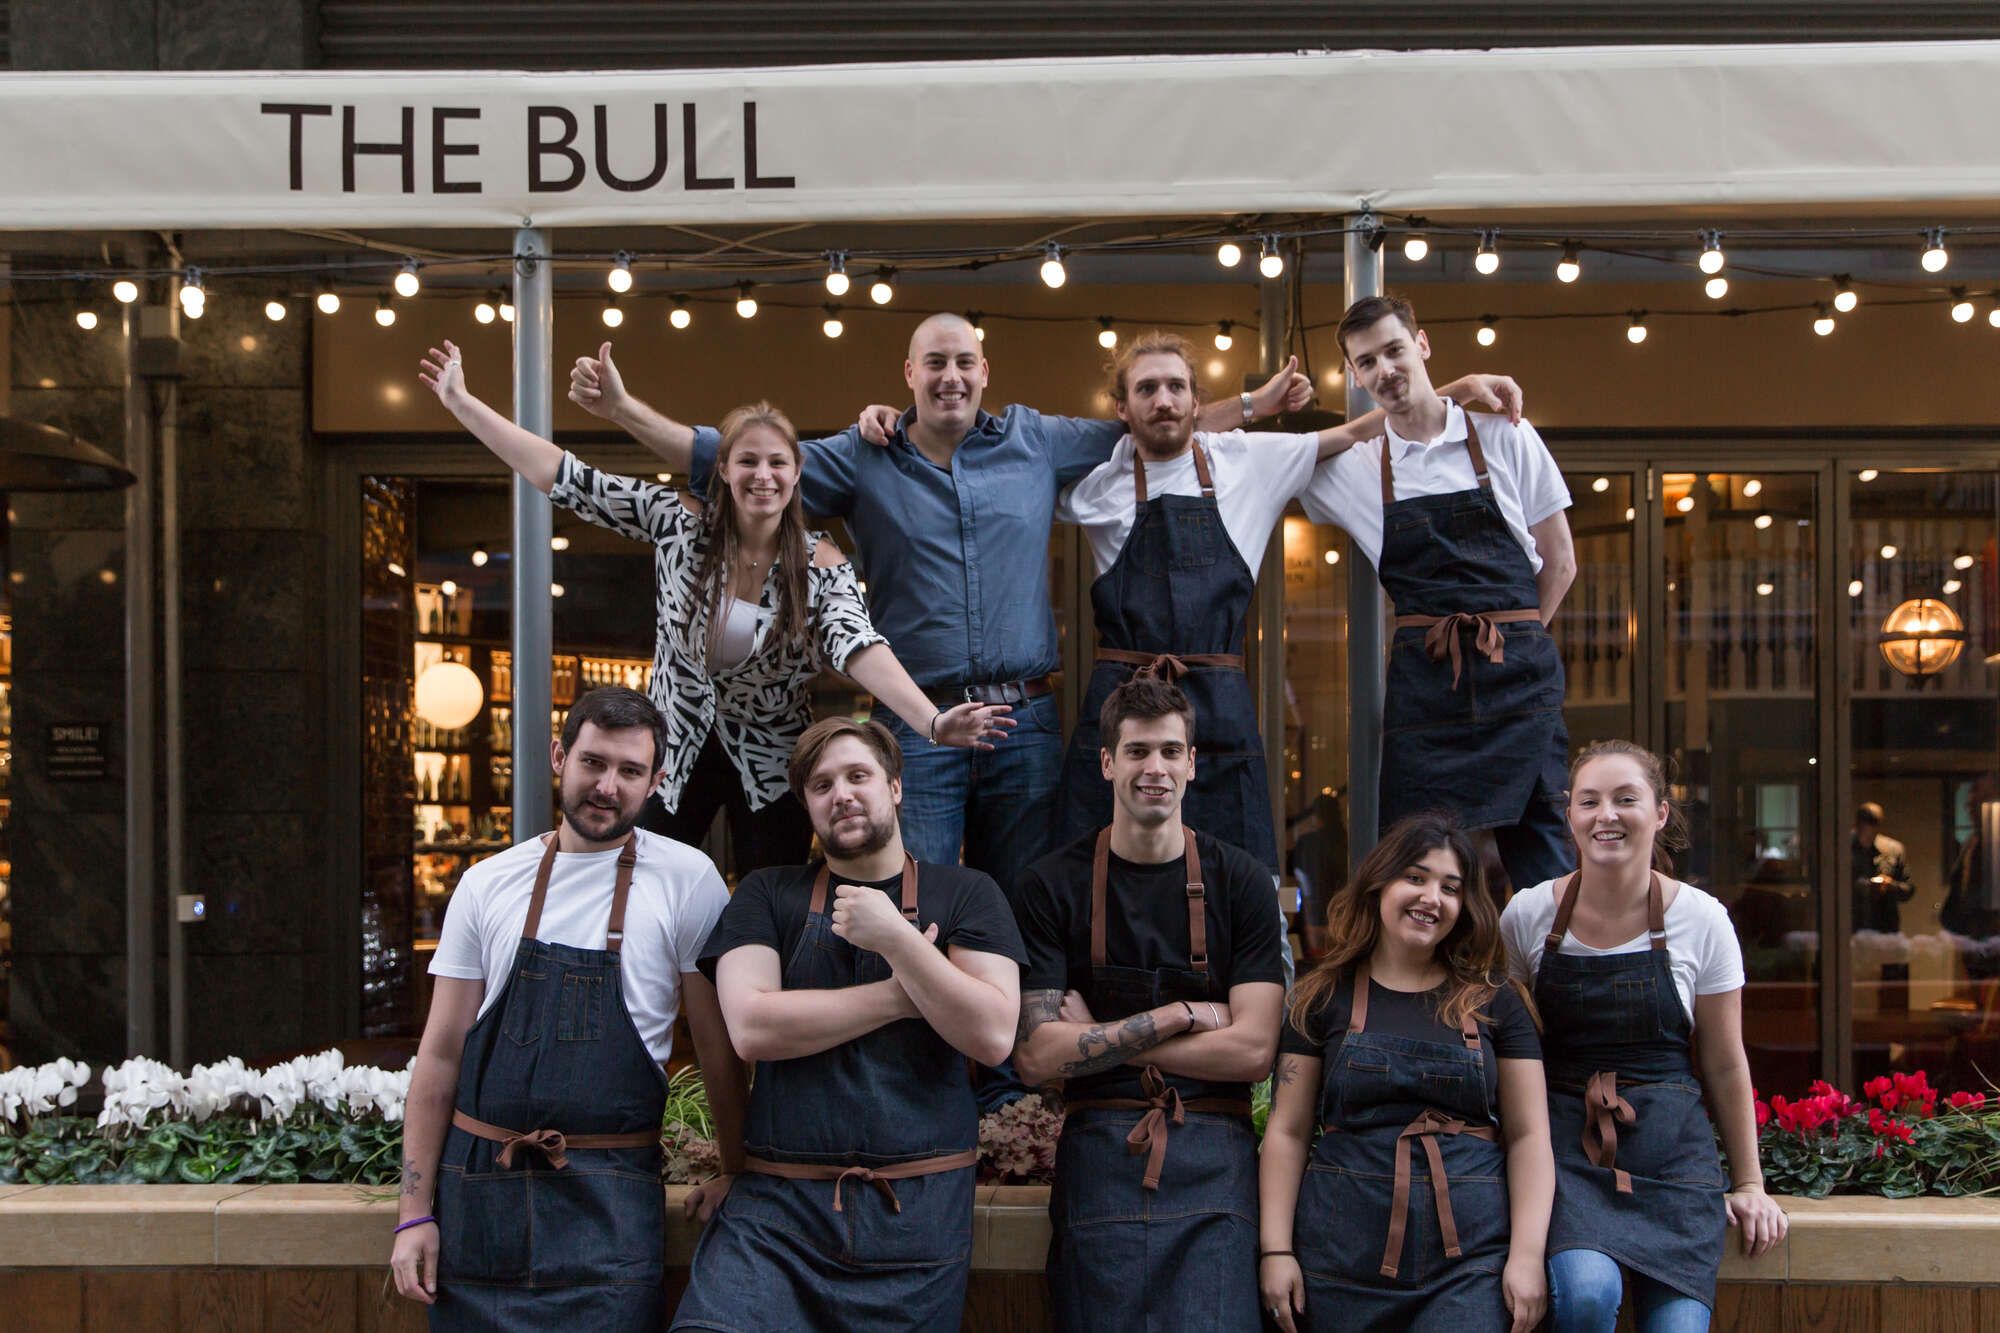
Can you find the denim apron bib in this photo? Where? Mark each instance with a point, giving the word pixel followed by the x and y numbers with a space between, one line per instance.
pixel 1476 729
pixel 1638 1176
pixel 1169 1243
pixel 1383 1245
pixel 863 1242
pixel 559 1217
pixel 1173 605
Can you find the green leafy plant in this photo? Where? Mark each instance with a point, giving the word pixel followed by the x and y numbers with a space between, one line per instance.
pixel 1905 1139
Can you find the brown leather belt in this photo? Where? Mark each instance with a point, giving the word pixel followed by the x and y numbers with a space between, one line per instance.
pixel 1170 667
pixel 552 1144
pixel 1603 1111
pixel 1425 1129
pixel 1162 1104
pixel 1004 692
pixel 1441 634
pixel 878 1176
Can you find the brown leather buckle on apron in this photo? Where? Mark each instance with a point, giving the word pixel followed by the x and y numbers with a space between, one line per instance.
pixel 1162 1104
pixel 878 1176
pixel 552 1144
pixel 1197 894
pixel 909 896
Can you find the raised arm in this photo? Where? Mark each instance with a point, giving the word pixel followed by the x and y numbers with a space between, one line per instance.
pixel 535 458
pixel 723 1078
pixel 1558 552
pixel 1286 391
pixel 596 386
pixel 1531 1190
pixel 1725 1078
pixel 1239 1052
pixel 1498 392
pixel 1281 1164
pixel 426 1116
pixel 768 1022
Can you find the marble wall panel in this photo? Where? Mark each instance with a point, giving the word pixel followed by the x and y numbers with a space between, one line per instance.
pixel 251 868
pixel 244 458
pixel 249 593
pixel 252 743
pixel 68 887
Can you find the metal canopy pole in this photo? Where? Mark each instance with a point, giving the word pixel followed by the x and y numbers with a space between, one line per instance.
pixel 141 694
pixel 534 619
pixel 1364 604
pixel 1275 301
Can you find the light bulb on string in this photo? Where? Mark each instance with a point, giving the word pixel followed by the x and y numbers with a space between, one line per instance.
pixel 328 300
pixel 746 304
pixel 679 316
pixel 1224 340
pixel 1823 323
pixel 619 279
pixel 1416 248
pixel 1711 260
pixel 1053 272
pixel 612 315
pixel 1107 337
pixel 883 289
pixel 1635 332
pixel 191 292
pixel 1487 261
pixel 406 281
pixel 506 312
pixel 1961 306
pixel 275 311
pixel 1567 268
pixel 1269 262
pixel 1844 299
pixel 86 320
pixel 1487 335
pixel 485 313
pixel 479 557
pixel 836 273
pixel 1934 256
pixel 1716 287
pixel 1993 317
pixel 832 326
pixel 1229 254
pixel 125 291
pixel 385 314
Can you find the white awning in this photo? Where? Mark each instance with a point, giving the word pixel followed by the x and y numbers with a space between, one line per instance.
pixel 1572 128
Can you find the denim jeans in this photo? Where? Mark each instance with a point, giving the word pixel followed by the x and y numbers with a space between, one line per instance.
pixel 1585 1288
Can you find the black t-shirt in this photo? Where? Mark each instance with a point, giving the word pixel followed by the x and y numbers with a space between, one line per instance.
pixel 897 1092
pixel 1147 927
pixel 1509 1035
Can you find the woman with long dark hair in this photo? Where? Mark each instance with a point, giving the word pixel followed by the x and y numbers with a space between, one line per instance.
pixel 1626 963
pixel 1424 1200
pixel 750 604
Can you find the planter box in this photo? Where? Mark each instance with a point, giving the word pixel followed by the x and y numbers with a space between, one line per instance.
pixel 288 1256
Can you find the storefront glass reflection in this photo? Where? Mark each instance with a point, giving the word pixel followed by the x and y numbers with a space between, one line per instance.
pixel 1314 838
pixel 1598 621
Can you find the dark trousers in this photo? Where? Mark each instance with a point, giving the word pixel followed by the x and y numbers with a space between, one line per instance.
pixel 780 834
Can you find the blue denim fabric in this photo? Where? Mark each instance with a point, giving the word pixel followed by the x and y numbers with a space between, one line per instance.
pixel 1585 1288
pixel 956 561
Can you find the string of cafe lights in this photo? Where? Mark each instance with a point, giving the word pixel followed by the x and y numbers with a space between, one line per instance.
pixel 746 270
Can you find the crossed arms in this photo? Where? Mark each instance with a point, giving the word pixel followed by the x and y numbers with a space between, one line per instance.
pixel 1059 1038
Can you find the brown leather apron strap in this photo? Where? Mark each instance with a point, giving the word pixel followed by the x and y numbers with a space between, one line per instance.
pixel 614 935
pixel 1197 895
pixel 1169 667
pixel 878 1176
pixel 552 1144
pixel 1656 911
pixel 1201 473
pixel 909 900
pixel 1357 1012
pixel 1471 447
pixel 1425 1129
pixel 1162 1105
pixel 1442 634
pixel 1603 1110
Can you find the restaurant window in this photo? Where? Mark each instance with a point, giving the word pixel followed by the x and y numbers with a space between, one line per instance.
pixel 1596 625
pixel 1921 648
pixel 1313 841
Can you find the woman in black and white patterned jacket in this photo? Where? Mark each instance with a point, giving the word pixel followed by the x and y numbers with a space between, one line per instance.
pixel 749 603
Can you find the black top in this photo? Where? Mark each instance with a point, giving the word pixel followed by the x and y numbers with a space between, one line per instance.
pixel 893 1093
pixel 1147 928
pixel 1506 1033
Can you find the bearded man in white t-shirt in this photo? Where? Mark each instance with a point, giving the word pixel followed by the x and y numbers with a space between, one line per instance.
pixel 531 1139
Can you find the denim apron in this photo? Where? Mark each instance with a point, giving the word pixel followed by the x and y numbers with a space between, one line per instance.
pixel 1443 1230
pixel 1169 1243
pixel 813 1238
pixel 1173 605
pixel 558 1219
pixel 1638 1176
pixel 1472 716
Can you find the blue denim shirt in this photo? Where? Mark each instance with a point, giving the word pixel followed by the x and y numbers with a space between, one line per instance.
pixel 956 560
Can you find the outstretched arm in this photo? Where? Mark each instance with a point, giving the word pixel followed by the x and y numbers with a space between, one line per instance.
pixel 536 459
pixel 768 1022
pixel 596 386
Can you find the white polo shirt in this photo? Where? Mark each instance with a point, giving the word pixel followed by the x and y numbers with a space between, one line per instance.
pixel 1255 476
pixel 675 898
pixel 1347 488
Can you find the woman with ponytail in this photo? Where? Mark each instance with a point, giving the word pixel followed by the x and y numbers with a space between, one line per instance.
pixel 1424 1199
pixel 1626 962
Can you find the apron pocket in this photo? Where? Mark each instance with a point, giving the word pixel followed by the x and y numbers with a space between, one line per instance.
pixel 582 1014
pixel 526 1006
pixel 1342 1223
pixel 934 1227
pixel 485 1230
pixel 596 1225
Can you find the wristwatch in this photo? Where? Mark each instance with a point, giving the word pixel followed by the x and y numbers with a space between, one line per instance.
pixel 1249 411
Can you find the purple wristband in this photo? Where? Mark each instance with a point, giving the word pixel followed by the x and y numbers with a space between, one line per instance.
pixel 401 1227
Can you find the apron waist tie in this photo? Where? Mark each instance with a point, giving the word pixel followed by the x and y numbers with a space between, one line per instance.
pixel 1441 634
pixel 1169 667
pixel 552 1144
pixel 1603 1111
pixel 1425 1130
pixel 1162 1104
pixel 878 1176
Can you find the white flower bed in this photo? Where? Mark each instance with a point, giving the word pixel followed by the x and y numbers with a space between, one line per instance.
pixel 142 1092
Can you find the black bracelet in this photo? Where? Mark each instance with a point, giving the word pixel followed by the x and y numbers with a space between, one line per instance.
pixel 1192 1022
pixel 1276 1254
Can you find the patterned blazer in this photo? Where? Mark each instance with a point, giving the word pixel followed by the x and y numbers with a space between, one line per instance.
pixel 759 707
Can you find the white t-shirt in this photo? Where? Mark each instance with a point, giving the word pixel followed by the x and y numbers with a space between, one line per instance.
pixel 675 898
pixel 1255 476
pixel 1347 488
pixel 1701 941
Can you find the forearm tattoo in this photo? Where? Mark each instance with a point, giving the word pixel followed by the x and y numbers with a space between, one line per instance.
pixel 1037 1007
pixel 411 1176
pixel 1108 1044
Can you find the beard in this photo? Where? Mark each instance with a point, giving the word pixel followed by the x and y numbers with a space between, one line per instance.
pixel 1163 439
pixel 872 837
pixel 585 816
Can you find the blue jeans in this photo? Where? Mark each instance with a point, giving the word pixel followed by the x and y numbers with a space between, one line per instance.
pixel 997 806
pixel 1585 1288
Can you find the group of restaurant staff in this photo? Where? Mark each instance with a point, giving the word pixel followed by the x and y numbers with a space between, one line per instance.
pixel 1479 1117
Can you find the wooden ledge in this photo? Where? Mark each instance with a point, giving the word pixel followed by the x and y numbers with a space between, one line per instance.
pixel 1832 1241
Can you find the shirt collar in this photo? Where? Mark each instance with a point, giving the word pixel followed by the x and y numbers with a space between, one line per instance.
pixel 985 423
pixel 1454 430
